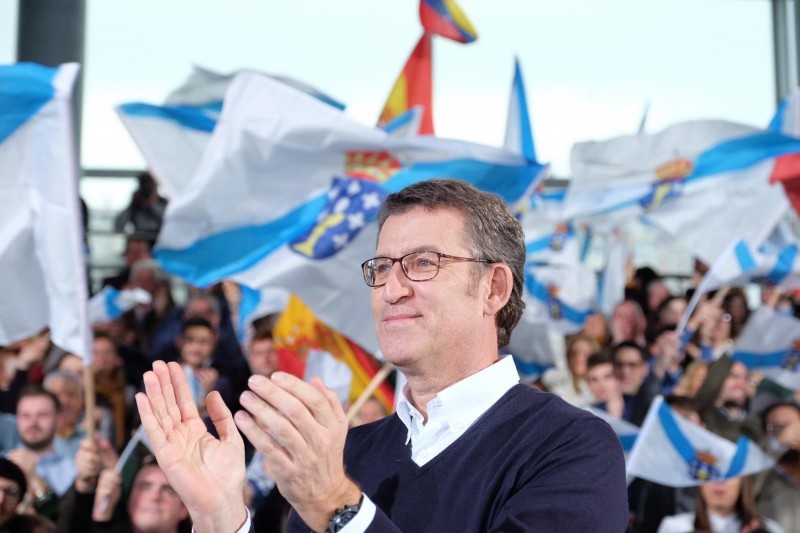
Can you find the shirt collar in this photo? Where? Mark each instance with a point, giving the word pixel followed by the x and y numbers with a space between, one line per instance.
pixel 463 402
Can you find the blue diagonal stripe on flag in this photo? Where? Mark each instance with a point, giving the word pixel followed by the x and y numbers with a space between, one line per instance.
pixel 744 257
pixel 541 293
pixel 187 116
pixel 783 265
pixel 759 360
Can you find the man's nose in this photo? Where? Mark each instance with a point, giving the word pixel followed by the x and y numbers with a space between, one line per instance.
pixel 397 284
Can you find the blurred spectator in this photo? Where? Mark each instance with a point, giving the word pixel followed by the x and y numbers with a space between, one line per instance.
pixel 262 356
pixel 692 379
pixel 137 248
pixel 48 472
pixel 110 385
pixel 16 368
pixel 670 311
pixel 778 490
pixel 666 358
pixel 604 385
pixel 722 506
pixel 596 327
pixel 197 342
pixel 735 304
pixel 723 400
pixel 657 293
pixel 372 411
pixel 570 382
pixel 12 489
pixel 145 213
pixel 638 385
pixel 628 323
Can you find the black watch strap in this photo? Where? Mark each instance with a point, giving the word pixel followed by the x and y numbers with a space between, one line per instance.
pixel 341 517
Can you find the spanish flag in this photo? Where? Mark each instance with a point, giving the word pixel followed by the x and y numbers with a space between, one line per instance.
pixel 445 18
pixel 299 332
pixel 414 87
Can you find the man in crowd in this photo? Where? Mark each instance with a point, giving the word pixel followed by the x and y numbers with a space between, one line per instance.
pixel 446 295
pixel 12 489
pixel 638 385
pixel 49 472
pixel 604 385
pixel 723 401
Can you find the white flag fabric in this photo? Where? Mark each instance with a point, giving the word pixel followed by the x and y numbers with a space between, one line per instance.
pixel 734 267
pixel 703 183
pixel 172 137
pixel 614 276
pixel 561 297
pixel 265 173
pixel 770 343
pixel 334 373
pixel 42 253
pixel 110 303
pixel 519 135
pixel 547 242
pixel 673 451
pixel 626 431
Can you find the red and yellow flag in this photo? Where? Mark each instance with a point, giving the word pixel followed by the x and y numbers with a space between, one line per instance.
pixel 414 87
pixel 299 331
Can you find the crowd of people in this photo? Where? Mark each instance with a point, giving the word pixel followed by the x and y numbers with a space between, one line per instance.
pixel 61 469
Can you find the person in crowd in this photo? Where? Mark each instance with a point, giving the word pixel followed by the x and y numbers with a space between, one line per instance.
pixel 604 385
pixel 628 323
pixel 570 383
pixel 657 293
pixel 722 506
pixel 670 311
pixel 261 355
pixel 692 379
pixel 735 305
pixel 48 472
pixel 596 327
pixel 17 369
pixel 143 319
pixel 778 490
pixel 13 487
pixel 196 344
pixel 137 248
pixel 145 213
pixel 372 411
pixel 112 390
pixel 723 401
pixel 638 385
pixel 666 358
pixel 446 295
pixel 151 506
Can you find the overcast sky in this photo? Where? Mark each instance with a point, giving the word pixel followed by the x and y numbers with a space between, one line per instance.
pixel 591 66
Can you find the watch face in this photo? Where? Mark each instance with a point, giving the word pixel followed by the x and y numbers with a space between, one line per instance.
pixel 342 518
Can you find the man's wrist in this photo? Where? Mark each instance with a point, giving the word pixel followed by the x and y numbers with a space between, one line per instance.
pixel 317 516
pixel 222 521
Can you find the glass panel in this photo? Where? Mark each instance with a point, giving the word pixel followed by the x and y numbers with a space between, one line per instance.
pixel 8 31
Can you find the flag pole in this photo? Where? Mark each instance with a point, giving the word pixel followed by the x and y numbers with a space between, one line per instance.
pixel 380 377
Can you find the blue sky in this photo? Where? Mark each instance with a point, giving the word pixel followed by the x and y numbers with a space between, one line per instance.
pixel 590 66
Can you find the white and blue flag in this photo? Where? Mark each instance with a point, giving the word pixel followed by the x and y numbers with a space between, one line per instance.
pixel 42 252
pixel 562 297
pixel 770 344
pixel 626 432
pixel 110 303
pixel 673 451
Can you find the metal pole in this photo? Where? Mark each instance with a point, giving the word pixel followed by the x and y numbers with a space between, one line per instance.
pixel 51 33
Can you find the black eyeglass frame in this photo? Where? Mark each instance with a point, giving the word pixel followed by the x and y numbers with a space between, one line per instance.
pixel 365 269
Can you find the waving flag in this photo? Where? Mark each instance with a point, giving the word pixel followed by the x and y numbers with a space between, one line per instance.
pixel 673 179
pixel 626 431
pixel 42 254
pixel 614 276
pixel 110 303
pixel 548 243
pixel 672 451
pixel 770 343
pixel 519 135
pixel 172 137
pixel 445 18
pixel 307 347
pixel 562 297
pixel 414 87
pixel 266 173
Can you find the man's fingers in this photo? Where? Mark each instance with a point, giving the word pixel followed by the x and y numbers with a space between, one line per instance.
pixel 151 426
pixel 167 391
pixel 158 407
pixel 310 396
pixel 283 429
pixel 183 395
pixel 222 419
pixel 275 456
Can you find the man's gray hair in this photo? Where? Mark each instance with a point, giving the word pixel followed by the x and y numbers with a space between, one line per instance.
pixel 492 233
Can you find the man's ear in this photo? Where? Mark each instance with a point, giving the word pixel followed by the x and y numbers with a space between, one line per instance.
pixel 501 283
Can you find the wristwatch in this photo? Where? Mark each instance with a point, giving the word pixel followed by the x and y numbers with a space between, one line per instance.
pixel 341 517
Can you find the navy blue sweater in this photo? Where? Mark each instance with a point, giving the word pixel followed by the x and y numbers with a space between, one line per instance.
pixel 530 463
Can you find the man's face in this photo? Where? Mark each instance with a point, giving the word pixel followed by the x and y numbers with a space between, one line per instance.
pixel 630 370
pixel 428 322
pixel 36 421
pixel 135 251
pixel 10 497
pixel 263 357
pixel 735 387
pixel 153 505
pixel 71 400
pixel 602 382
pixel 626 322
pixel 197 345
pixel 203 309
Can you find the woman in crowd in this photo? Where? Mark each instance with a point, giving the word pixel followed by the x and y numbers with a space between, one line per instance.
pixel 722 507
pixel 570 382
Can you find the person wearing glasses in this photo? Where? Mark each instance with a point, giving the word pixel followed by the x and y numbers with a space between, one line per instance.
pixel 469 448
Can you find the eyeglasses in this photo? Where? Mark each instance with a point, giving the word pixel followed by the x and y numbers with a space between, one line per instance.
pixel 775 428
pixel 11 492
pixel 417 266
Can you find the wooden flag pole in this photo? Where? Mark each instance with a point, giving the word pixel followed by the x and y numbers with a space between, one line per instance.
pixel 380 377
pixel 89 401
